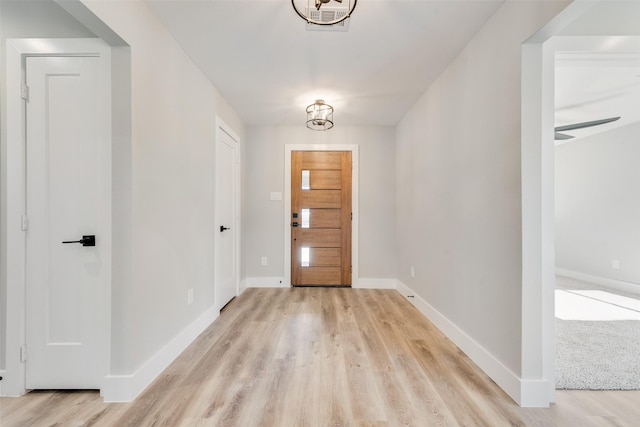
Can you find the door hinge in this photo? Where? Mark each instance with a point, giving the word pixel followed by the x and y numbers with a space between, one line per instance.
pixel 351 216
pixel 25 92
pixel 23 353
pixel 24 222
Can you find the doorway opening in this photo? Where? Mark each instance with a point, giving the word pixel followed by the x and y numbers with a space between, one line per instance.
pixel 538 159
pixel 597 293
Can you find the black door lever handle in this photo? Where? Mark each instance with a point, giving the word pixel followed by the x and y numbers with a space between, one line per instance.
pixel 85 241
pixel 222 228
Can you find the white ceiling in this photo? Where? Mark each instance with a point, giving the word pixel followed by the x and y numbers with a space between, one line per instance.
pixel 593 86
pixel 269 68
pixel 604 80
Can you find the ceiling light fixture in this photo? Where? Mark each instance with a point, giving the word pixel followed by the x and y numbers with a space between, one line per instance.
pixel 313 15
pixel 319 116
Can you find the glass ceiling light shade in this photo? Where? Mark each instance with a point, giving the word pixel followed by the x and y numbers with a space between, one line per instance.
pixel 319 116
pixel 310 11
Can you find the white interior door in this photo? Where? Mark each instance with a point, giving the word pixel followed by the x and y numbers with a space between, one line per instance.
pixel 226 286
pixel 68 192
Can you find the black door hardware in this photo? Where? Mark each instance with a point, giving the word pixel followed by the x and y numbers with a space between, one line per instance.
pixel 85 241
pixel 222 228
pixel 294 224
pixel 295 214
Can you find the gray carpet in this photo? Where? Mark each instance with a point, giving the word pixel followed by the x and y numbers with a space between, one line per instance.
pixel 603 355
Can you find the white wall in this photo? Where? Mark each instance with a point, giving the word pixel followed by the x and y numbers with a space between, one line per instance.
pixel 598 205
pixel 164 171
pixel 172 178
pixel 263 219
pixel 21 19
pixel 458 189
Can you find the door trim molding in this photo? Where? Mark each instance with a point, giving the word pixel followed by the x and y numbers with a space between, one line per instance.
pixel 17 49
pixel 222 127
pixel 288 148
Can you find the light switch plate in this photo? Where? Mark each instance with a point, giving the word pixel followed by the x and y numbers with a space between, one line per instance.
pixel 275 195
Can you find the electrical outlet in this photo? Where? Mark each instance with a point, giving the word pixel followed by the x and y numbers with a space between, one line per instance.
pixel 190 296
pixel 263 261
pixel 615 264
pixel 413 272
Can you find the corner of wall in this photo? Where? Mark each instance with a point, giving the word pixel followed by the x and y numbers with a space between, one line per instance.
pixel 243 286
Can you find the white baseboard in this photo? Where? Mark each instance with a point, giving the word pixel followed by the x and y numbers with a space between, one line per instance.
pixel 602 281
pixel 243 286
pixel 503 376
pixel 265 282
pixel 364 283
pixel 125 388
pixel 278 282
pixel 535 394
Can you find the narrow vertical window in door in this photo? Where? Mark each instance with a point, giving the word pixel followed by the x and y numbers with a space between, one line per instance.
pixel 321 218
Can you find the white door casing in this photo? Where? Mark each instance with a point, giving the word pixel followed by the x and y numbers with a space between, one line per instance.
pixel 354 204
pixel 28 240
pixel 227 185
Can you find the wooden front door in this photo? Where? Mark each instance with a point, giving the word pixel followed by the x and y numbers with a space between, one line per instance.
pixel 321 218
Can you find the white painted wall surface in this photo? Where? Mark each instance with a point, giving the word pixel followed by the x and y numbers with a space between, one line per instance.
pixel 458 186
pixel 172 182
pixel 263 173
pixel 20 19
pixel 598 205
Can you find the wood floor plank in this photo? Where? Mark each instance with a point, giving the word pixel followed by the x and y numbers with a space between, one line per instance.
pixel 424 395
pixel 320 357
pixel 398 408
pixel 373 343
pixel 366 407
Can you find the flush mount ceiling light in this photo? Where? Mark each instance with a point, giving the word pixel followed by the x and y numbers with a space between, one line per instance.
pixel 313 14
pixel 319 116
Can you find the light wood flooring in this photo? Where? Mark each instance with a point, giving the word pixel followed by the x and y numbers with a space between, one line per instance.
pixel 320 357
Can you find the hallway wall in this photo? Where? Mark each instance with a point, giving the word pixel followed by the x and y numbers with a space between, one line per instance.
pixel 459 189
pixel 172 188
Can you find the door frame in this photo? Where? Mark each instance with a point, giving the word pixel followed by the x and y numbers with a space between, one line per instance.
pixel 223 128
pixel 538 195
pixel 14 382
pixel 353 148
